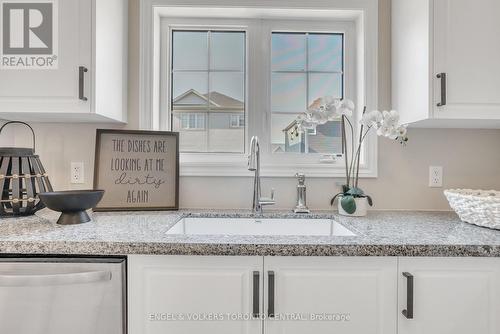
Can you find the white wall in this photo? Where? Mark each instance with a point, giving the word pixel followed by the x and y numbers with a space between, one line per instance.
pixel 470 158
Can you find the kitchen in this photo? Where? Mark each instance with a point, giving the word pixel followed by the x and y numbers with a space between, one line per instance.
pixel 206 254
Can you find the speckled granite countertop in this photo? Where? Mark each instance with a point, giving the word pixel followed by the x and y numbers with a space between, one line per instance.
pixel 383 233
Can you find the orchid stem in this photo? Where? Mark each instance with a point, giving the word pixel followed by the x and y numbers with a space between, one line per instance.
pixel 349 170
pixel 344 149
pixel 358 153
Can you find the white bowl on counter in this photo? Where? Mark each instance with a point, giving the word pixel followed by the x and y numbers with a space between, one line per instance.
pixel 478 207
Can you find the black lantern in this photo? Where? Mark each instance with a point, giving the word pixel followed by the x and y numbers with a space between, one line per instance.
pixel 22 178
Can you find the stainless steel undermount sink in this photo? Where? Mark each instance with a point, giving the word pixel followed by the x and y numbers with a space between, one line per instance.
pixel 256 226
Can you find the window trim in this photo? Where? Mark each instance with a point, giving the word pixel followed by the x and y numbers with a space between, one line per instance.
pixel 196 116
pixel 238 120
pixel 363 12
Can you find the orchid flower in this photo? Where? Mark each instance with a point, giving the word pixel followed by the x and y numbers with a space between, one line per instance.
pixel 323 110
pixel 386 123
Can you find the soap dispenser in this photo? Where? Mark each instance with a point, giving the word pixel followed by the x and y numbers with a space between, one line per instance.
pixel 301 194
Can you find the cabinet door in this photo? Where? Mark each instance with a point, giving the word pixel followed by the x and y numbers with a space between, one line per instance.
pixel 451 296
pixel 330 295
pixel 184 294
pixel 466 48
pixel 51 88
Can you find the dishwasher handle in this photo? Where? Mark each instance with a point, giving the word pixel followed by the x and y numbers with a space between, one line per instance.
pixel 55 279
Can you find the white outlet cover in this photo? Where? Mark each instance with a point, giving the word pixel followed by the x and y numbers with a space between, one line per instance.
pixel 77 173
pixel 435 176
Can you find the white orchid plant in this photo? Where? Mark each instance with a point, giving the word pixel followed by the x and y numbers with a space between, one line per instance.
pixel 386 123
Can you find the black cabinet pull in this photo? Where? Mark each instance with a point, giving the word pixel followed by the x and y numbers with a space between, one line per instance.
pixel 81 83
pixel 256 294
pixel 442 76
pixel 270 294
pixel 408 313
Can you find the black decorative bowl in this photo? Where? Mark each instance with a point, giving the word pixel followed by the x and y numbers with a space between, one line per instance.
pixel 72 204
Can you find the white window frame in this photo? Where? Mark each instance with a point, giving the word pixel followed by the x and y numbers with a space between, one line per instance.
pixel 195 117
pixel 237 118
pixel 360 15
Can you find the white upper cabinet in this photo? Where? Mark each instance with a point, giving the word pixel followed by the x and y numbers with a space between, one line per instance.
pixel 64 61
pixel 445 68
pixel 325 295
pixel 450 295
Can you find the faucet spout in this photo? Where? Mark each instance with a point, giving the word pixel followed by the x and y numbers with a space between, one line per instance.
pixel 254 166
pixel 253 158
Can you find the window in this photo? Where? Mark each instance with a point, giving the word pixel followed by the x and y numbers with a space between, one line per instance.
pixel 208 88
pixel 280 60
pixel 192 121
pixel 237 121
pixel 304 67
pixel 208 75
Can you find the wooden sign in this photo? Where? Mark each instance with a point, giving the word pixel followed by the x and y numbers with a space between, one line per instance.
pixel 139 170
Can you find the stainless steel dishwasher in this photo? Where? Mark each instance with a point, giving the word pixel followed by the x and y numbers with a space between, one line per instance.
pixel 62 295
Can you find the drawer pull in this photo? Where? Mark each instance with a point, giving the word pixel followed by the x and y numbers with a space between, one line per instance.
pixel 81 83
pixel 270 294
pixel 442 76
pixel 256 294
pixel 408 313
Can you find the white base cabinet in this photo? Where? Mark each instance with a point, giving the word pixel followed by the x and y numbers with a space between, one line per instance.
pixel 331 295
pixel 294 295
pixel 445 68
pixel 320 295
pixel 451 296
pixel 179 294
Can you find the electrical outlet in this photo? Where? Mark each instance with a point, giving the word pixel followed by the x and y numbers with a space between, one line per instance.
pixel 77 173
pixel 435 176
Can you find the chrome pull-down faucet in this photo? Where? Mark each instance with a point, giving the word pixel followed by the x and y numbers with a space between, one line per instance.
pixel 254 166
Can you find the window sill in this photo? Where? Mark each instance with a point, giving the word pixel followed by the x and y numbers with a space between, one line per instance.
pixel 235 165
